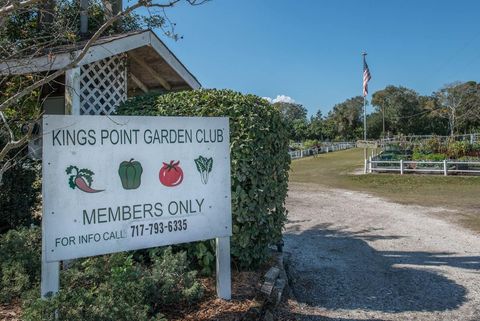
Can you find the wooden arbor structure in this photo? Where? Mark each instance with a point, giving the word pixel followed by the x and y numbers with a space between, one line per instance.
pixel 114 68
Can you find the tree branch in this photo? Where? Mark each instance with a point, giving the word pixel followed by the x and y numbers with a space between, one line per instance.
pixel 17 5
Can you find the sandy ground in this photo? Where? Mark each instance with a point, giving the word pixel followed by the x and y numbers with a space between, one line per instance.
pixel 354 257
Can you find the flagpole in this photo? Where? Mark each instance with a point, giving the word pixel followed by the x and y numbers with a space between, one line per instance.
pixel 364 124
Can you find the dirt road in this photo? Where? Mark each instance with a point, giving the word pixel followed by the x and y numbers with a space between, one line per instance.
pixel 357 257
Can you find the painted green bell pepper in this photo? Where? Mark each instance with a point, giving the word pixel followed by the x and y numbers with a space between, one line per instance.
pixel 130 173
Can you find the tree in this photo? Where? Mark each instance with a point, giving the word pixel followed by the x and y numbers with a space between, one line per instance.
pixel 401 109
pixel 291 111
pixel 460 104
pixel 316 127
pixel 375 125
pixel 31 27
pixel 295 117
pixel 347 117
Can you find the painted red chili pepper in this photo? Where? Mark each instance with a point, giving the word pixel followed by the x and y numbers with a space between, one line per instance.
pixel 83 186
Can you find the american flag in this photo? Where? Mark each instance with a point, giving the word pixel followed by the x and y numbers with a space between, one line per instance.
pixel 366 77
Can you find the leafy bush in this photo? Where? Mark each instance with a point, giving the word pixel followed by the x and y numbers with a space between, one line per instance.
pixel 201 254
pixel 458 149
pixel 259 161
pixel 170 281
pixel 310 143
pixel 109 287
pixel 19 262
pixel 116 287
pixel 437 157
pixel 20 195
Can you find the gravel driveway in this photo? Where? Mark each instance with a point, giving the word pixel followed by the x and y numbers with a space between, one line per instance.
pixel 356 257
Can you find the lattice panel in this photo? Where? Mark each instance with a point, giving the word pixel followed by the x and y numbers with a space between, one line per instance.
pixel 103 86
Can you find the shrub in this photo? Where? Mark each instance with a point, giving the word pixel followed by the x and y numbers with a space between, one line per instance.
pixel 20 195
pixel 458 149
pixel 259 161
pixel 116 287
pixel 20 253
pixel 170 281
pixel 310 143
pixel 437 157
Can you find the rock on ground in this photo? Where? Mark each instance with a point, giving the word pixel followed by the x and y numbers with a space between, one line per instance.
pixel 356 257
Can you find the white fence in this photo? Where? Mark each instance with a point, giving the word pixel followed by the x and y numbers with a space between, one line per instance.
pixel 471 138
pixel 327 148
pixel 445 167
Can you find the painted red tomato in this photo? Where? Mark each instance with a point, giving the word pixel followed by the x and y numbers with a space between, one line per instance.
pixel 171 174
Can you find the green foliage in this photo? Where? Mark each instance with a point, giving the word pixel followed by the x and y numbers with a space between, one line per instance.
pixel 458 149
pixel 401 107
pixel 170 280
pixel 430 146
pixel 201 255
pixel 109 287
pixel 291 111
pixel 347 117
pixel 316 127
pixel 22 33
pixel 310 143
pixel 19 262
pixel 20 195
pixel 116 287
pixel 259 161
pixel 434 157
pixel 295 118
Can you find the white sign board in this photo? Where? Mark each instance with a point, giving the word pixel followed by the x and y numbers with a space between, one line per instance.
pixel 119 183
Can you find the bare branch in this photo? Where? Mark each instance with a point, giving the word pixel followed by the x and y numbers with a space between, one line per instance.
pixel 17 5
pixel 13 144
pixel 3 169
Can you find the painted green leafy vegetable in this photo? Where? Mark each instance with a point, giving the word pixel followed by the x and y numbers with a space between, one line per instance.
pixel 204 167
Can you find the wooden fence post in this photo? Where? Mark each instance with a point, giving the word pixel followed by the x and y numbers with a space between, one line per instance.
pixel 401 167
pixel 445 169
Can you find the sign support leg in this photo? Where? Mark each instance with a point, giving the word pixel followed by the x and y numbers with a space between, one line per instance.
pixel 224 275
pixel 50 282
pixel 50 278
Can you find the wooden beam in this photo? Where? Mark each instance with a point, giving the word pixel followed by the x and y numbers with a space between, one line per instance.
pixel 154 74
pixel 72 91
pixel 139 83
pixel 173 62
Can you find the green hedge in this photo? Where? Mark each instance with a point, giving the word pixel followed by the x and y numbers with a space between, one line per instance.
pixel 259 160
pixel 20 195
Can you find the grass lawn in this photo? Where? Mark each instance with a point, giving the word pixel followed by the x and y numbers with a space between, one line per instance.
pixel 336 170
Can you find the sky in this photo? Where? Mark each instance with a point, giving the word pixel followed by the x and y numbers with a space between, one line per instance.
pixel 309 51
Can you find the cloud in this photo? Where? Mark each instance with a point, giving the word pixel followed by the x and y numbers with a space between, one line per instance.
pixel 280 99
pixel 270 100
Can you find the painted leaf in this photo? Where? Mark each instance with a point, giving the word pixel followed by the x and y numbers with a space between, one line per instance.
pixel 209 164
pixel 71 181
pixel 89 179
pixel 85 172
pixel 70 169
pixel 200 164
